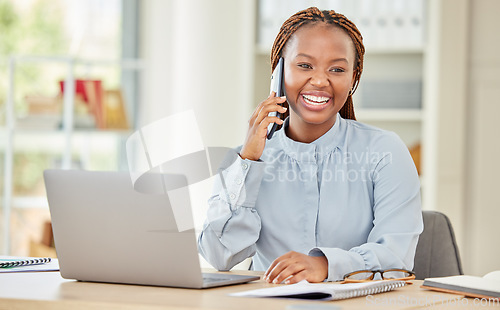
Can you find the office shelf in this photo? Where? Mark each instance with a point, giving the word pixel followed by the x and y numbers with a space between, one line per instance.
pixel 389 115
pixel 30 202
pixel 60 140
pixel 265 50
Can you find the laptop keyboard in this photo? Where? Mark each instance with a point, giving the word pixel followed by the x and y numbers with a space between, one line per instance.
pixel 207 279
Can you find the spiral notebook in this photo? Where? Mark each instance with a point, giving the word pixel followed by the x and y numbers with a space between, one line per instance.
pixel 8 263
pixel 27 264
pixel 324 291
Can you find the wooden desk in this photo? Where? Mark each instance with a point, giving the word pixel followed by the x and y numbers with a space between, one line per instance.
pixel 47 290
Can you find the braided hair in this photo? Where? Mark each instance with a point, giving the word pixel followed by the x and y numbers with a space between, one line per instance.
pixel 314 15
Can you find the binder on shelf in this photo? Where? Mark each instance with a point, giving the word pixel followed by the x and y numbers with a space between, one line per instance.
pixel 399 23
pixel 114 114
pixel 336 5
pixel 43 112
pixel 91 92
pixel 384 24
pixel 94 91
pixel 383 30
pixel 416 24
pixel 365 20
pixel 39 104
pixel 392 94
pixel 268 28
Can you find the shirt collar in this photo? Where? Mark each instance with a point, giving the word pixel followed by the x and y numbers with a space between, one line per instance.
pixel 320 147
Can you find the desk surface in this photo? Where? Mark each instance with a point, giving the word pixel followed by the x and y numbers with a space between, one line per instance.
pixel 48 290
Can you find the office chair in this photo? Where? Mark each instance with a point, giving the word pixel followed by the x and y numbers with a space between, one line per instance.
pixel 437 252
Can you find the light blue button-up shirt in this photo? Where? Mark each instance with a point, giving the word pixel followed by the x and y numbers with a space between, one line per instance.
pixel 352 195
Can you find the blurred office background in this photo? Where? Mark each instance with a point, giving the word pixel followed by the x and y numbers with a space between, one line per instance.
pixel 431 75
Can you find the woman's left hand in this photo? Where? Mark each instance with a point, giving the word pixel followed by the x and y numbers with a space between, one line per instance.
pixel 294 267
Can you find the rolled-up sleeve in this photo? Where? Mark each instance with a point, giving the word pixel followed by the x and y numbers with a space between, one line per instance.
pixel 233 225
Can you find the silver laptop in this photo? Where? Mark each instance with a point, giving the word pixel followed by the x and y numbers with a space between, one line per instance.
pixel 106 231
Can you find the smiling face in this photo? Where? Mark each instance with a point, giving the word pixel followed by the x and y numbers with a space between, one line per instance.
pixel 319 73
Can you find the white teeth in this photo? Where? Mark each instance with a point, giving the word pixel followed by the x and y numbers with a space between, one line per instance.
pixel 315 100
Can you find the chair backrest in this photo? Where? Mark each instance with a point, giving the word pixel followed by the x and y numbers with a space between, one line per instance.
pixel 437 251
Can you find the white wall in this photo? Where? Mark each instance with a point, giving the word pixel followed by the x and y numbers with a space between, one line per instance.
pixel 445 107
pixel 462 147
pixel 199 56
pixel 483 142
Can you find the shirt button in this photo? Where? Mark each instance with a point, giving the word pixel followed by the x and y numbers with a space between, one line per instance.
pixel 244 166
pixel 238 182
pixel 232 196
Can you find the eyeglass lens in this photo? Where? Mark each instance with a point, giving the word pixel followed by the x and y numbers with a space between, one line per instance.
pixel 388 274
pixel 363 275
pixel 395 274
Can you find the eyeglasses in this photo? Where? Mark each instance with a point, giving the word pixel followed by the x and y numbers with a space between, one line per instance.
pixel 369 275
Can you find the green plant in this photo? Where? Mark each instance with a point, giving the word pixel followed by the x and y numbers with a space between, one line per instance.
pixel 37 30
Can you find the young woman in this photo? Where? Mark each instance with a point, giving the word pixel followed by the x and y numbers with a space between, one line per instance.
pixel 326 195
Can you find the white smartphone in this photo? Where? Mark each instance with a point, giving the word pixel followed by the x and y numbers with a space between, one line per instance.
pixel 277 85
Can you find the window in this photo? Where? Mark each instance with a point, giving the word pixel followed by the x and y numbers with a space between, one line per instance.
pixel 39 33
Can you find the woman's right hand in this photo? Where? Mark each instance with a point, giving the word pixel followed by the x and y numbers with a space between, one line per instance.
pixel 257 126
